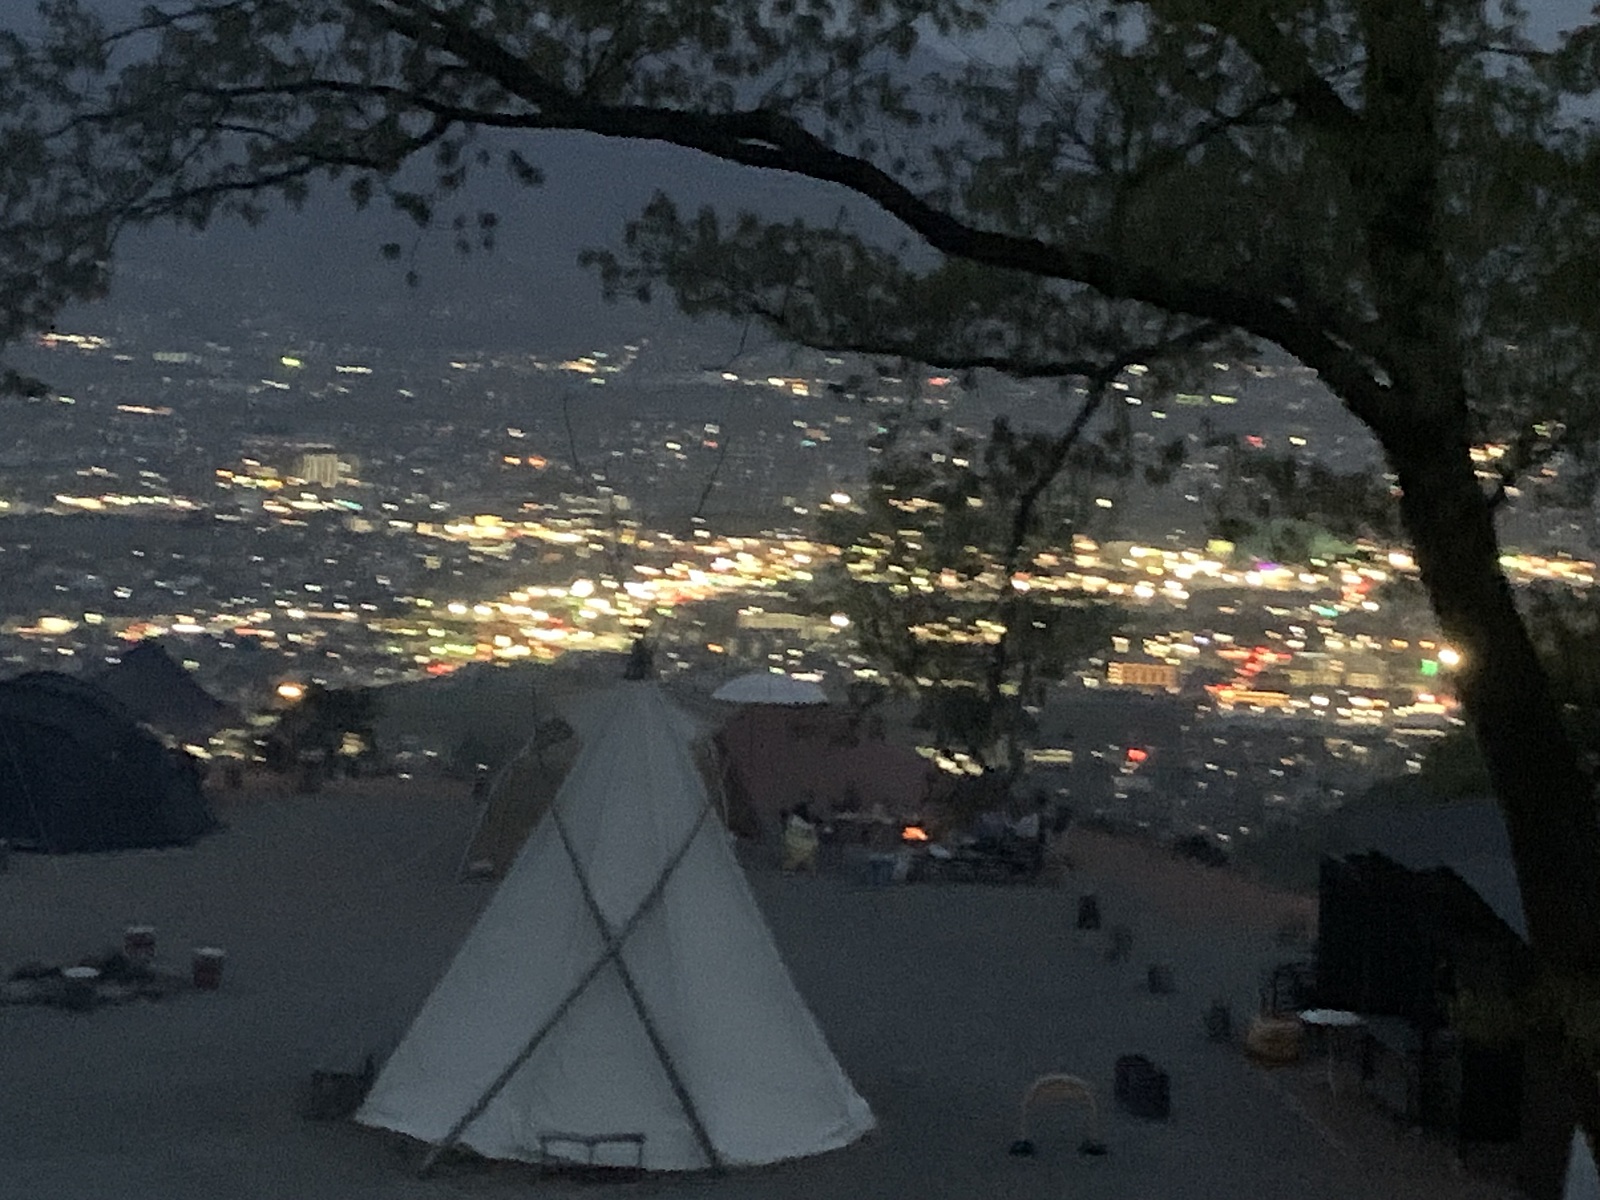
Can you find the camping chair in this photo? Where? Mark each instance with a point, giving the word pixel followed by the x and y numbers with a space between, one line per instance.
pixel 1059 1087
pixel 1288 987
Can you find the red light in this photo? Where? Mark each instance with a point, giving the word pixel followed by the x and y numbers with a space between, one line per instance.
pixel 1136 755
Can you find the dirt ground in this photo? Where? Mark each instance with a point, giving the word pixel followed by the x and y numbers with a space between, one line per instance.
pixel 338 911
pixel 1185 892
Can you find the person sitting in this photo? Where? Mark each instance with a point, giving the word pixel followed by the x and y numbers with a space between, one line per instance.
pixel 799 842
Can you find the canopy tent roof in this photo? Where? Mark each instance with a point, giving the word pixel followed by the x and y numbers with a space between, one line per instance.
pixel 78 773
pixel 770 687
pixel 622 981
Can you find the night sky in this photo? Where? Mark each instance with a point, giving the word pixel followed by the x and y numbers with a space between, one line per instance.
pixel 328 255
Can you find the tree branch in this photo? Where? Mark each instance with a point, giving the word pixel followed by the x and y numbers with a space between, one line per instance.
pixel 933 356
pixel 1285 63
pixel 1100 380
pixel 771 140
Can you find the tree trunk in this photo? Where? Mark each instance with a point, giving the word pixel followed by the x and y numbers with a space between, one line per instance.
pixel 1547 799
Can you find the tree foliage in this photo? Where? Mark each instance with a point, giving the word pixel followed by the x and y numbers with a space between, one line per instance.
pixel 324 725
pixel 1300 500
pixel 1404 195
pixel 936 574
pixel 1287 139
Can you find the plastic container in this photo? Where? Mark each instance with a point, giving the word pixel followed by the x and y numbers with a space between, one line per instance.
pixel 79 993
pixel 139 942
pixel 1089 912
pixel 208 968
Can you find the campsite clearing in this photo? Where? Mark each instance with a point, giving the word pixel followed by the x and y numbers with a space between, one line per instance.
pixel 340 911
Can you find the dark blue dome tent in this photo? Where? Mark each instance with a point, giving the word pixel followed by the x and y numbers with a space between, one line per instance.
pixel 78 772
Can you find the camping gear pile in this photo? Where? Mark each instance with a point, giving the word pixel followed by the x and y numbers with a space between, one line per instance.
pixel 108 978
pixel 620 1003
pixel 995 851
pixel 103 979
pixel 112 977
pixel 1008 862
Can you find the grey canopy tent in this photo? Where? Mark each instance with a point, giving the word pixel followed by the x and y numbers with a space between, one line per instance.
pixel 77 772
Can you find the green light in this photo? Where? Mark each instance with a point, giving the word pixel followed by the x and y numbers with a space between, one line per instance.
pixel 1430 666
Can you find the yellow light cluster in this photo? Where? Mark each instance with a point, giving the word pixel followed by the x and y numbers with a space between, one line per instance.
pixel 112 501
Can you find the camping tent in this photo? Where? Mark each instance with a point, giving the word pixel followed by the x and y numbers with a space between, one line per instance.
pixel 621 1000
pixel 159 692
pixel 776 758
pixel 1583 1181
pixel 78 773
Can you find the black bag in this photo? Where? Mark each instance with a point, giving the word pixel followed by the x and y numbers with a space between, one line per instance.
pixel 1143 1089
pixel 1088 912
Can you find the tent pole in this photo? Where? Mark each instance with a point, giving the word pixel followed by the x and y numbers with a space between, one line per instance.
pixel 612 950
pixel 614 945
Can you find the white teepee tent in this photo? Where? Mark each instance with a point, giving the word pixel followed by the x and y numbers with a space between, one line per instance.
pixel 1583 1181
pixel 621 984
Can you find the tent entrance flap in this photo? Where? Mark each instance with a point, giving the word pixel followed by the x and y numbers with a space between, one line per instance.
pixel 613 940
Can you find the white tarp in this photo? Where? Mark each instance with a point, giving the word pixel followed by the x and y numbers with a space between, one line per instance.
pixel 770 687
pixel 1583 1181
pixel 750 1056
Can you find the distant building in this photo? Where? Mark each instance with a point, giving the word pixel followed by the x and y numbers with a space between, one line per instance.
pixel 1313 670
pixel 1142 675
pixel 320 466
pixel 1252 698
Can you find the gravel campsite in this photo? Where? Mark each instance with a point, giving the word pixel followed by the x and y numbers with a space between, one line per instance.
pixel 338 911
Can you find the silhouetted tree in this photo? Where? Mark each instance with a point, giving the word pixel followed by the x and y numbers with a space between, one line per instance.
pixel 1404 195
pixel 937 570
pixel 324 728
